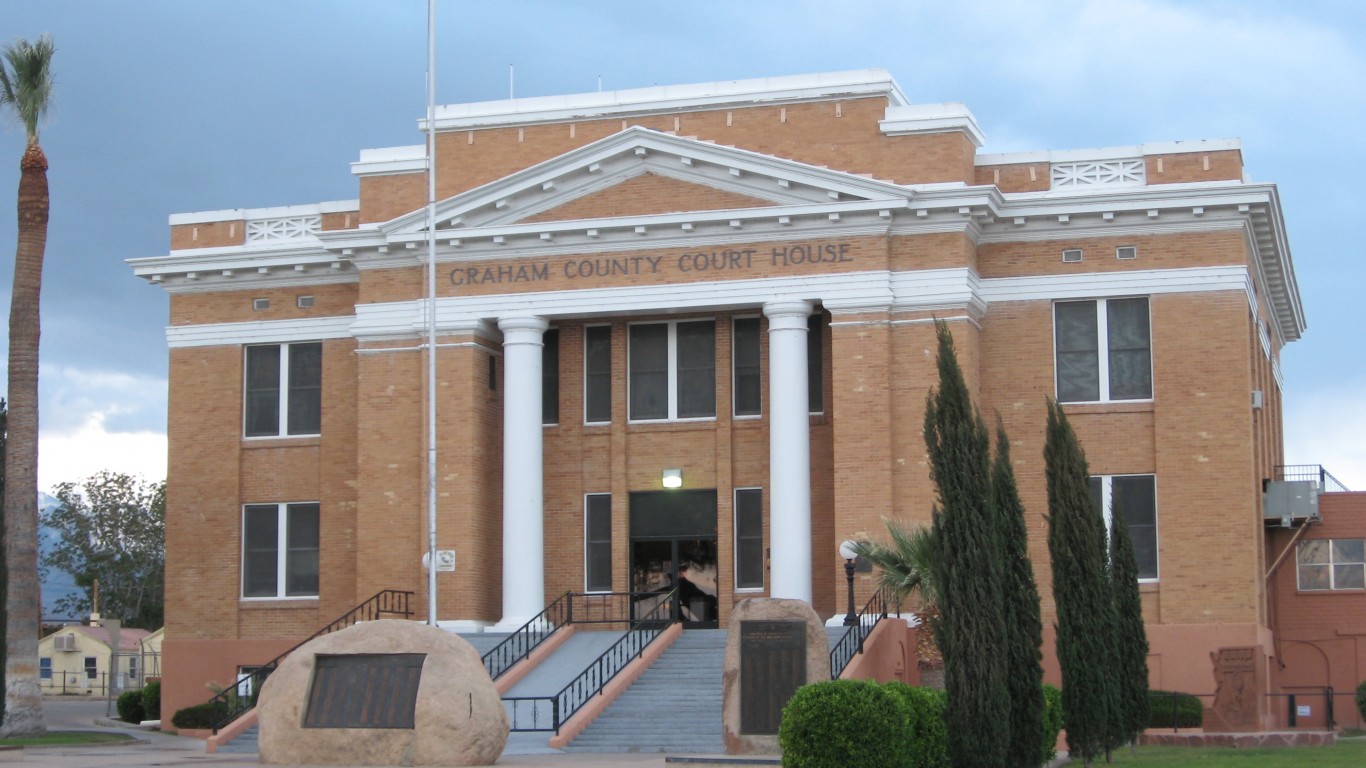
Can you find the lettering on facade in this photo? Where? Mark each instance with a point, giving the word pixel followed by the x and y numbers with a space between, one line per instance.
pixel 714 262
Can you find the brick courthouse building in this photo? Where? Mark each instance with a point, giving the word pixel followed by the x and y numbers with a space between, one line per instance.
pixel 729 282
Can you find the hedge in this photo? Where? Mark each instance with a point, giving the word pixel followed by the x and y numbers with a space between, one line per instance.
pixel 199 715
pixel 844 723
pixel 1052 721
pixel 130 707
pixel 1170 709
pixel 1361 699
pixel 151 700
pixel 929 734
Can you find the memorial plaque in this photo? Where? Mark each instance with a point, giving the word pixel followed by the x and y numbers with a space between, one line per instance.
pixel 772 668
pixel 364 690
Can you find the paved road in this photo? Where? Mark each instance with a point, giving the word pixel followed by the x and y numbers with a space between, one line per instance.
pixel 157 749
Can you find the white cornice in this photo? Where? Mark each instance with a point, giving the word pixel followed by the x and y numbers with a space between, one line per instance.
pixel 915 119
pixel 671 98
pixel 242 214
pixel 387 160
pixel 259 332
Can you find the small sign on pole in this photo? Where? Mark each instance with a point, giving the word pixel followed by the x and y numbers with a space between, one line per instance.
pixel 445 560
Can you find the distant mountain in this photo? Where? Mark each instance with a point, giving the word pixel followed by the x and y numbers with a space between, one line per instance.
pixel 58 584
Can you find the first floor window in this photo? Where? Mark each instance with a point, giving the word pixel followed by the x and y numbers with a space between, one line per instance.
pixel 1331 564
pixel 672 369
pixel 133 668
pixel 1134 497
pixel 597 542
pixel 749 538
pixel 45 668
pixel 280 550
pixel 597 374
pixel 90 668
pixel 550 377
pixel 283 389
pixel 1103 350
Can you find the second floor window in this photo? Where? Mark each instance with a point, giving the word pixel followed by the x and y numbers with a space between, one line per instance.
pixel 283 390
pixel 1103 350
pixel 672 369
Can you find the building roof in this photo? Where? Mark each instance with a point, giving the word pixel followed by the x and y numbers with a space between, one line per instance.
pixel 128 637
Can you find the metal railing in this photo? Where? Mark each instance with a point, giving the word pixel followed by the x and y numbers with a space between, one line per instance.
pixel 234 701
pixel 524 639
pixel 851 643
pixel 549 713
pixel 1312 473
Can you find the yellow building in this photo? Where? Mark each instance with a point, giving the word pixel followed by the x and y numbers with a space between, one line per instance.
pixel 78 659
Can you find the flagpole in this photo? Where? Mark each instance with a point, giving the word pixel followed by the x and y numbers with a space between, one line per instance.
pixel 431 312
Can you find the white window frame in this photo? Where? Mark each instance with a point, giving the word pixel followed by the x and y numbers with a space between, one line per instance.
pixel 586 587
pixel 1332 568
pixel 733 368
pixel 672 379
pixel 586 328
pixel 282 415
pixel 735 541
pixel 1107 498
pixel 45 672
pixel 281 552
pixel 1103 349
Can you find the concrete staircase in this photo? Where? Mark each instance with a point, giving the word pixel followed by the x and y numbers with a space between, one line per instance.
pixel 244 744
pixel 674 707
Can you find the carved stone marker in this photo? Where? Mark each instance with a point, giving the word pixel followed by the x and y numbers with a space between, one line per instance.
pixel 773 646
pixel 382 693
pixel 1237 693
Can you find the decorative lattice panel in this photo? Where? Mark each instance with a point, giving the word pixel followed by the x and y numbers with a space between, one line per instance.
pixel 1097 173
pixel 283 228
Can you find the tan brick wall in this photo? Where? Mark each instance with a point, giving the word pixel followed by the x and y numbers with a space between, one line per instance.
pixel 237 306
pixel 1224 165
pixel 1179 251
pixel 647 194
pixel 215 234
pixel 1015 177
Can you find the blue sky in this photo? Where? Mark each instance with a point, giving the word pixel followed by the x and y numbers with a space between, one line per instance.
pixel 165 107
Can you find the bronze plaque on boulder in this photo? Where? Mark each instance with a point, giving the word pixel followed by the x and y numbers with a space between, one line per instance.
pixel 364 690
pixel 772 668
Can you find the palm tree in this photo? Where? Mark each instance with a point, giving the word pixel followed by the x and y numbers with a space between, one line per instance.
pixel 903 564
pixel 26 88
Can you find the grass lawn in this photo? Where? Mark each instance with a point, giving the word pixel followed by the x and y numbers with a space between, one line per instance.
pixel 63 738
pixel 1346 754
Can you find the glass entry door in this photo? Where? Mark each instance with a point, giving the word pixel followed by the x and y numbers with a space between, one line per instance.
pixel 673 545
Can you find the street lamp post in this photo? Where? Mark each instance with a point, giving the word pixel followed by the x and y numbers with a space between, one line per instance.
pixel 849 554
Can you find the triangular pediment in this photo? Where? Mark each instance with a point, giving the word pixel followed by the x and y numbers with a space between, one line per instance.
pixel 598 181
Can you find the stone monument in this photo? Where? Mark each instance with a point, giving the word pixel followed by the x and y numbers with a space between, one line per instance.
pixel 382 693
pixel 773 646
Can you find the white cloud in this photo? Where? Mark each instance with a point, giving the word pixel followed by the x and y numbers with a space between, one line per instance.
pixel 1326 427
pixel 77 454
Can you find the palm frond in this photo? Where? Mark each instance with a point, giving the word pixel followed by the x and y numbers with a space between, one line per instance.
pixel 26 81
pixel 904 563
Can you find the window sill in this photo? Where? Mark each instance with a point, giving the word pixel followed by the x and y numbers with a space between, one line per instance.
pixel 1135 406
pixel 693 425
pixel 1148 587
pixel 1354 592
pixel 276 603
pixel 303 441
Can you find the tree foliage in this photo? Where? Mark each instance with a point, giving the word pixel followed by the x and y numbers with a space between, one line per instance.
pixel 112 527
pixel 905 563
pixel 1020 603
pixel 967 570
pixel 1131 639
pixel 1081 592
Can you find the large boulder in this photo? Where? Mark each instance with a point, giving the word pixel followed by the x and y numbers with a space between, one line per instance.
pixel 458 717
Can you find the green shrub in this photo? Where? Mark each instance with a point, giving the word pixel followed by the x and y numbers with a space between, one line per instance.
pixel 844 723
pixel 1169 709
pixel 130 707
pixel 199 715
pixel 929 734
pixel 1361 699
pixel 151 700
pixel 1052 721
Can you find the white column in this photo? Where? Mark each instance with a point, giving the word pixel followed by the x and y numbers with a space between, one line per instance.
pixel 523 494
pixel 789 450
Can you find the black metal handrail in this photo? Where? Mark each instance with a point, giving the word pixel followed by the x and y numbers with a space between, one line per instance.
pixel 1313 473
pixel 851 643
pixel 234 701
pixel 549 713
pixel 524 639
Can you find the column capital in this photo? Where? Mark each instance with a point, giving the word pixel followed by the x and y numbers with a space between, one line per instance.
pixel 523 329
pixel 788 314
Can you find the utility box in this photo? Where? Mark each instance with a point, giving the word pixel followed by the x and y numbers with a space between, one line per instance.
pixel 1289 502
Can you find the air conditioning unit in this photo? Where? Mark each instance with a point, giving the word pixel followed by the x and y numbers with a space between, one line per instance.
pixel 64 642
pixel 1290 500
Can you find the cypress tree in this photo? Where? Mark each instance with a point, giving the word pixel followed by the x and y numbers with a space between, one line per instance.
pixel 1081 592
pixel 967 570
pixel 1024 630
pixel 1131 639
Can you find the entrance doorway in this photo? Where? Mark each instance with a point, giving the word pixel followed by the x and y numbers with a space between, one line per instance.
pixel 673 544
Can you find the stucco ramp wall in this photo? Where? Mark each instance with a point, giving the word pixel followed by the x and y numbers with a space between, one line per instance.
pixel 458 717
